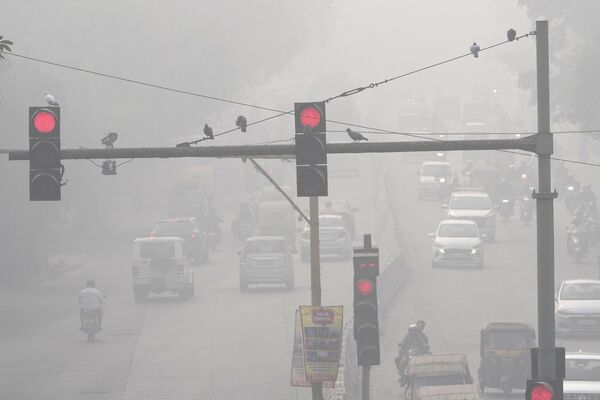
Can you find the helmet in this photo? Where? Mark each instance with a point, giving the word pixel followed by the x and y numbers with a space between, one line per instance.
pixel 90 283
pixel 413 329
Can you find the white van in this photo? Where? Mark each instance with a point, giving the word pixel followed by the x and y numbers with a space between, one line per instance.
pixel 160 265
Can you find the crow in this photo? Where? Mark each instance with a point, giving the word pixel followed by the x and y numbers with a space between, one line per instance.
pixel 511 34
pixel 475 49
pixel 208 132
pixel 51 100
pixel 357 137
pixel 241 122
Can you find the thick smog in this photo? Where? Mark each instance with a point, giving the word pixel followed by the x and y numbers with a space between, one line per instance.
pixel 285 200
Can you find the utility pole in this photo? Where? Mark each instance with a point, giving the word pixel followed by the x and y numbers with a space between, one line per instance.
pixel 546 368
pixel 315 274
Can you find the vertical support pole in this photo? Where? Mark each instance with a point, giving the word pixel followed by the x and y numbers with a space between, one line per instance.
pixel 315 274
pixel 366 381
pixel 545 212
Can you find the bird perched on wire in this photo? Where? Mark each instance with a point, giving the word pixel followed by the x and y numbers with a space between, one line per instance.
pixel 356 136
pixel 475 49
pixel 241 122
pixel 511 34
pixel 208 132
pixel 50 100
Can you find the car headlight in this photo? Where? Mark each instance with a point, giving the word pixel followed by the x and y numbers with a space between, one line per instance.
pixel 442 251
pixel 440 154
pixel 473 251
pixel 442 180
pixel 562 311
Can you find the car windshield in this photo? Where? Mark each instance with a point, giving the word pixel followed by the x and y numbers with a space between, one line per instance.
pixel 458 230
pixel 265 246
pixel 470 203
pixel 439 380
pixel 435 170
pixel 173 227
pixel 581 369
pixel 329 222
pixel 157 250
pixel 580 291
pixel 508 339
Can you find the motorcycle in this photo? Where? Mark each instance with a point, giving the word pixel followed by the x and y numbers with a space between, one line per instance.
pixel 403 359
pixel 243 231
pixel 505 208
pixel 577 244
pixel 91 324
pixel 526 210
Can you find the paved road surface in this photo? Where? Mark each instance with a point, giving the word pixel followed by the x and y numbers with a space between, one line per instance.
pixel 456 303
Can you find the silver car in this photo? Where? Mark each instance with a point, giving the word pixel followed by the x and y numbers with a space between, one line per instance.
pixel 582 376
pixel 334 238
pixel 578 307
pixel 266 259
pixel 457 242
pixel 476 206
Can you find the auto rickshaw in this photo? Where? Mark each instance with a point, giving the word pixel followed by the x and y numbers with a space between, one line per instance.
pixel 505 355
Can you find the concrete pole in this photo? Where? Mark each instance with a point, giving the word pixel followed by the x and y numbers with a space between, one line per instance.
pixel 315 274
pixel 366 378
pixel 545 212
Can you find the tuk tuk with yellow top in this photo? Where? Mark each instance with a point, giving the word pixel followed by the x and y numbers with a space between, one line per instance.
pixel 505 351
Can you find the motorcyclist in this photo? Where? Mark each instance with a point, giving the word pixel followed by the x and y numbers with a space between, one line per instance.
pixel 414 339
pixel 421 326
pixel 91 299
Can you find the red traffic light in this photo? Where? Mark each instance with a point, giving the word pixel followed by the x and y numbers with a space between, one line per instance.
pixel 310 116
pixel 364 287
pixel 541 391
pixel 44 121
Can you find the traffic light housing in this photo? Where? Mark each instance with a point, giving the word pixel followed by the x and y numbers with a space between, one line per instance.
pixel 544 389
pixel 311 149
pixel 366 316
pixel 44 154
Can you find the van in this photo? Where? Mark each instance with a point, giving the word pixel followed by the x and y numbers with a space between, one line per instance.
pixel 160 264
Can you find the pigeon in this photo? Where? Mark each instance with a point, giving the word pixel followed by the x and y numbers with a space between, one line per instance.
pixel 511 34
pixel 208 132
pixel 475 49
pixel 51 100
pixel 357 137
pixel 241 122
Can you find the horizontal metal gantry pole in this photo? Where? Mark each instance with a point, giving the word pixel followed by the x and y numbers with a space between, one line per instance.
pixel 287 150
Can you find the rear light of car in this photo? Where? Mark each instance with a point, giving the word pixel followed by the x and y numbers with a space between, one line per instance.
pixel 194 234
pixel 135 270
pixel 180 269
pixel 152 234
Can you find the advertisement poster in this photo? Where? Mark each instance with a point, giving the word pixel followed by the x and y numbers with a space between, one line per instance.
pixel 322 341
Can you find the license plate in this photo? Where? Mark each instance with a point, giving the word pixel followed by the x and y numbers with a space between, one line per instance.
pixel 587 322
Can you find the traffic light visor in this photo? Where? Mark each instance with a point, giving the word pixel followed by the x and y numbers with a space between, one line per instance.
pixel 44 121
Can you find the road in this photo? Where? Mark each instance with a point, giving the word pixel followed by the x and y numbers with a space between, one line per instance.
pixel 222 344
pixel 457 303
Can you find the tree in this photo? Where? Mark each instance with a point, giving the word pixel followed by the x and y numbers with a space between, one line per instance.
pixel 575 61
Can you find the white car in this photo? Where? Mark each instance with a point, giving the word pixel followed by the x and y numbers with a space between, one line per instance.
pixel 457 242
pixel 434 178
pixel 474 205
pixel 582 380
pixel 578 307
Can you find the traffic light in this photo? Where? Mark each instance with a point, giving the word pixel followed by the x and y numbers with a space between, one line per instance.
pixel 44 154
pixel 547 389
pixel 366 319
pixel 311 149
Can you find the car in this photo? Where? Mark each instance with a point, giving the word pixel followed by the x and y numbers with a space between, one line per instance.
pixel 577 307
pixel 582 376
pixel 187 228
pixel 457 242
pixel 334 238
pixel 266 259
pixel 161 265
pixel 434 178
pixel 475 205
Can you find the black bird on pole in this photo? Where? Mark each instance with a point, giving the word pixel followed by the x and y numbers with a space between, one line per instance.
pixel 241 122
pixel 356 136
pixel 208 132
pixel 475 49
